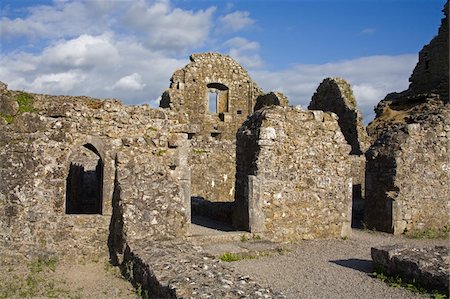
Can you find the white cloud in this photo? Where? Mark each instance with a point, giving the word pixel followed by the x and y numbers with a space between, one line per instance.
pixel 71 18
pixel 371 79
pixel 169 29
pixel 236 21
pixel 130 82
pixel 100 66
pixel 244 51
pixel 86 51
pixel 57 83
pixel 242 44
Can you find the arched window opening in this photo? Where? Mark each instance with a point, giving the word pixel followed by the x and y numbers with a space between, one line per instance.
pixel 217 98
pixel 85 182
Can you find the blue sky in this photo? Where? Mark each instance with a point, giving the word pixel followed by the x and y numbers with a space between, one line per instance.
pixel 129 49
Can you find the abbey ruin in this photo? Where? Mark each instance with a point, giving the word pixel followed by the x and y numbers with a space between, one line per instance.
pixel 81 175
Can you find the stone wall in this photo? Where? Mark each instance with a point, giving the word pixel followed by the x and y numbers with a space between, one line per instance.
pixel 407 177
pixel 271 99
pixel 431 72
pixel 335 95
pixel 218 95
pixel 407 170
pixel 293 177
pixel 141 158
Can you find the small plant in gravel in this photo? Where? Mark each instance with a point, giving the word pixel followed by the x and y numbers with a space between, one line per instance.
pixel 41 263
pixel 230 257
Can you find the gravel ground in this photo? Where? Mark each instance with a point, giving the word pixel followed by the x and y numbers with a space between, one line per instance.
pixel 329 268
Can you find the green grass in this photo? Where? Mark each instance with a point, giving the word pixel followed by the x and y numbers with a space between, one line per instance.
pixel 431 233
pixel 34 282
pixel 396 282
pixel 41 263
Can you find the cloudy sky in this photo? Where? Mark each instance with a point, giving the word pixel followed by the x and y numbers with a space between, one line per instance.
pixel 128 49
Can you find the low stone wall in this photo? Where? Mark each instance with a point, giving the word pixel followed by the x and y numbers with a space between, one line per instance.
pixel 428 267
pixel 182 270
pixel 293 176
pixel 141 156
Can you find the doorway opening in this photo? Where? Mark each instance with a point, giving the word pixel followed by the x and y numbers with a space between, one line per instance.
pixel 84 184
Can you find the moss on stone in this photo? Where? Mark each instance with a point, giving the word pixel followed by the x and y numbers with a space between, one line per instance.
pixel 9 118
pixel 25 101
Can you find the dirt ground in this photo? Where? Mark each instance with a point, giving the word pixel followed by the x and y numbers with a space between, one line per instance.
pixel 51 278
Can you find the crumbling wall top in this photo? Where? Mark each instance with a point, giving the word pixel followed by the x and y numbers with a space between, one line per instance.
pixel 335 95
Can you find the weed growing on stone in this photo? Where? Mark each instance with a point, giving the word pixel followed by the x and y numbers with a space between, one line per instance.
pixel 9 118
pixel 200 151
pixel 396 281
pixel 244 238
pixel 161 152
pixel 256 237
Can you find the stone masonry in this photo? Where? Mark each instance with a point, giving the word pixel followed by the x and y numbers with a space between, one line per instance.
pixel 408 165
pixel 293 175
pixel 335 95
pixel 218 95
pixel 49 145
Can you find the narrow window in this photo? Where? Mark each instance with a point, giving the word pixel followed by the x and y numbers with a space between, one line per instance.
pixel 212 102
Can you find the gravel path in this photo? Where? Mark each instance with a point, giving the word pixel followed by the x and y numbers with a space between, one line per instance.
pixel 329 268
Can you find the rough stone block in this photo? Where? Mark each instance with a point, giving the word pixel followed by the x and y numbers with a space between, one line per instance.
pixel 429 267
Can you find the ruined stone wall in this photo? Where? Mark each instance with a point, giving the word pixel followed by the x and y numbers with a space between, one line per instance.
pixel 407 170
pixel 431 72
pixel 335 95
pixel 407 178
pixel 293 174
pixel 212 79
pixel 144 172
